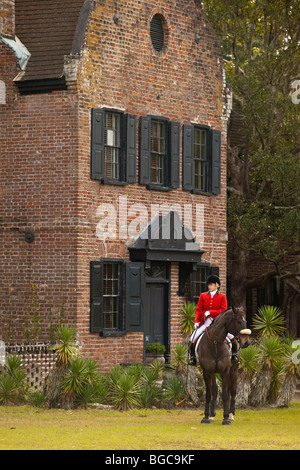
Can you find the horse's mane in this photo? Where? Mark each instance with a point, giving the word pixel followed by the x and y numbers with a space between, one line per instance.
pixel 219 317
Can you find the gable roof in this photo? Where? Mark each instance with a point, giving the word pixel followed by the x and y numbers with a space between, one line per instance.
pixel 47 28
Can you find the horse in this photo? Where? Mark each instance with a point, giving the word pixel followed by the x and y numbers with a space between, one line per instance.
pixel 214 357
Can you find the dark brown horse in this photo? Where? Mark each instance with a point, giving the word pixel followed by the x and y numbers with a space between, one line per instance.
pixel 214 357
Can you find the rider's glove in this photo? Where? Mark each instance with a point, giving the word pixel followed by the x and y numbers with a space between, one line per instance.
pixel 207 314
pixel 196 326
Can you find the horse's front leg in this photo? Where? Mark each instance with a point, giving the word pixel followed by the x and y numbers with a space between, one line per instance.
pixel 214 398
pixel 208 386
pixel 233 386
pixel 225 395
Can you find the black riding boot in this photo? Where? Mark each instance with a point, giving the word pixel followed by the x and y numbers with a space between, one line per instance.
pixel 234 352
pixel 192 356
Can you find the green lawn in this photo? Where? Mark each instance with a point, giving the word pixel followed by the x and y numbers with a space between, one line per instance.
pixel 30 428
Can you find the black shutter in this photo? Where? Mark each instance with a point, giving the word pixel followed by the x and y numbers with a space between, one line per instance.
pixel 134 296
pixel 97 144
pixel 214 271
pixel 216 162
pixel 131 149
pixel 175 153
pixel 188 158
pixel 145 129
pixel 96 325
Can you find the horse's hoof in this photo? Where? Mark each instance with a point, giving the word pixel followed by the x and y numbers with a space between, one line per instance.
pixel 226 422
pixel 205 421
pixel 211 419
pixel 231 417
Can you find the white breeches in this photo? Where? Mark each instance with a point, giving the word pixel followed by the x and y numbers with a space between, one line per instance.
pixel 200 330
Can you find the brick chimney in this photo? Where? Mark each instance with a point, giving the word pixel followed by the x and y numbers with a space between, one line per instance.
pixel 7 17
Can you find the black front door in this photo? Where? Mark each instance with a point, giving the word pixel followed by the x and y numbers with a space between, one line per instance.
pixel 156 306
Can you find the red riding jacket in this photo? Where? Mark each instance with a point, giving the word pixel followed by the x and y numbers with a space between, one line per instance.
pixel 215 305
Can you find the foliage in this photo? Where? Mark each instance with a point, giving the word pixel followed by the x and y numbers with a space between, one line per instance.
pixel 173 390
pixel 66 347
pixel 261 49
pixel 13 386
pixel 269 321
pixel 155 348
pixel 187 318
pixel 249 360
pixel 179 358
pixel 124 389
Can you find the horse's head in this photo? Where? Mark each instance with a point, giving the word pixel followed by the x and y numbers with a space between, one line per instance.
pixel 239 327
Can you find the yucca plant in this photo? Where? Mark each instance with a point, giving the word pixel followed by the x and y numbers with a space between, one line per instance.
pixel 37 399
pixel 174 390
pixel 249 365
pixel 9 393
pixel 66 350
pixel 271 349
pixel 150 392
pixel 66 347
pixel 123 388
pixel 187 313
pixel 292 371
pixel 179 358
pixel 76 378
pixel 269 321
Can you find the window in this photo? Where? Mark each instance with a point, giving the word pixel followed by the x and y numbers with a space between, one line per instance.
pixel 201 166
pixel 158 153
pixel 201 159
pixel 198 283
pixel 113 147
pixel 157 32
pixel 198 280
pixel 111 294
pixel 107 296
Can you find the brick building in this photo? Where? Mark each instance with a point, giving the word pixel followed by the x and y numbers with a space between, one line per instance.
pixel 113 170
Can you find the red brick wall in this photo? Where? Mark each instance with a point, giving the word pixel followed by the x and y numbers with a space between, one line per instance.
pixel 7 17
pixel 120 69
pixel 38 181
pixel 45 169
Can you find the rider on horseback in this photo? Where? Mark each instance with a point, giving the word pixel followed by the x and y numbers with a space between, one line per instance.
pixel 210 305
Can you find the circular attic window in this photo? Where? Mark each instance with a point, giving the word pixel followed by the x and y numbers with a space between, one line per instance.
pixel 157 32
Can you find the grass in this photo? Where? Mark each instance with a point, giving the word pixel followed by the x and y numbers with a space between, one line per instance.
pixel 25 428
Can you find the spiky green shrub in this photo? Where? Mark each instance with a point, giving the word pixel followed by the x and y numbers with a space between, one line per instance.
pixel 269 321
pixel 187 314
pixel 13 386
pixel 174 390
pixel 124 389
pixel 179 358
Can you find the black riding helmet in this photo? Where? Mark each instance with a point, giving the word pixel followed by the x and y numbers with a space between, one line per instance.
pixel 213 280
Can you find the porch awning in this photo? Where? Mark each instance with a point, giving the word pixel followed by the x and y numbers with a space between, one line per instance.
pixel 166 239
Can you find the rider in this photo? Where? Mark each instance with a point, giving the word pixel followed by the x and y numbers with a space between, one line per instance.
pixel 210 305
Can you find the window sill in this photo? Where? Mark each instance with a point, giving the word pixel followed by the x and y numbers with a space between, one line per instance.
pixel 201 193
pixel 114 182
pixel 157 187
pixel 107 333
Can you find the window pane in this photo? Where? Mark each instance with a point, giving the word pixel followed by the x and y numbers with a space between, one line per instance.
pixel 200 162
pixel 112 145
pixel 198 283
pixel 111 294
pixel 158 152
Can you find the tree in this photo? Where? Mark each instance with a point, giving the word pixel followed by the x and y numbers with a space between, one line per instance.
pixel 260 41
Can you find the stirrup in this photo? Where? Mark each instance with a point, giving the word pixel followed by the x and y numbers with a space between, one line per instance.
pixel 235 358
pixel 192 360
